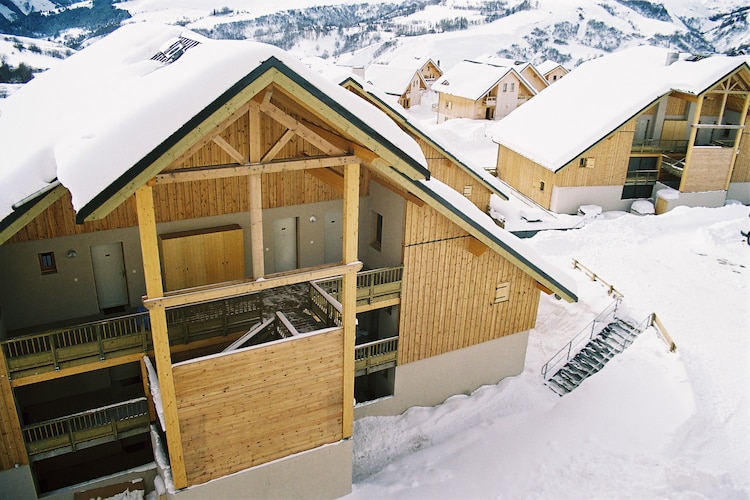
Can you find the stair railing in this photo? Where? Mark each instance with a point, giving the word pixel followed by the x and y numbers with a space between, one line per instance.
pixel 611 290
pixel 588 332
pixel 653 320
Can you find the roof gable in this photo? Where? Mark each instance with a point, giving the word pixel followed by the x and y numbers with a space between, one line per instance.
pixel 470 80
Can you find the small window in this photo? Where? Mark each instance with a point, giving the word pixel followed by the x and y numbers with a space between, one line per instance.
pixel 505 87
pixel 541 185
pixel 377 242
pixel 512 86
pixel 47 263
pixel 502 293
pixel 586 162
pixel 467 190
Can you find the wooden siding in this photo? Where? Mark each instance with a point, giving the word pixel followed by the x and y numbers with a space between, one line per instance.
pixel 741 172
pixel 261 404
pixel 676 106
pixel 525 175
pixel 708 170
pixel 454 176
pixel 12 447
pixel 460 107
pixel 448 292
pixel 202 257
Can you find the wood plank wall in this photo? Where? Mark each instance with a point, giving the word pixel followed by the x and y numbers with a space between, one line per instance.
pixel 525 175
pixel 454 176
pixel 708 170
pixel 260 404
pixel 448 292
pixel 741 172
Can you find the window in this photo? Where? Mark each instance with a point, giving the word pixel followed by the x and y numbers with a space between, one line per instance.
pixel 642 175
pixel 377 242
pixel 586 162
pixel 541 185
pixel 502 293
pixel 512 86
pixel 47 263
pixel 467 190
pixel 505 87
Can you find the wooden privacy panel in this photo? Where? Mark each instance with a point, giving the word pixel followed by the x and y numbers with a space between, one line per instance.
pixel 708 169
pixel 448 299
pixel 741 172
pixel 202 257
pixel 260 404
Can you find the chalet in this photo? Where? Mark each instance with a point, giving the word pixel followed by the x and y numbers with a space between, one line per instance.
pixel 405 85
pixel 428 68
pixel 551 71
pixel 641 123
pixel 214 260
pixel 527 70
pixel 480 91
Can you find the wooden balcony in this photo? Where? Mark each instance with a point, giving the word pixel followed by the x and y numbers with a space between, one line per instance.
pixel 375 356
pixel 490 100
pixel 104 340
pixel 659 146
pixel 86 429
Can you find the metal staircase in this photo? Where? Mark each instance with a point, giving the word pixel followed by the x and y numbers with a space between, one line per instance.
pixel 614 338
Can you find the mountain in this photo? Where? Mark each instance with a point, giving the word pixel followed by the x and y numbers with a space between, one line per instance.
pixel 355 32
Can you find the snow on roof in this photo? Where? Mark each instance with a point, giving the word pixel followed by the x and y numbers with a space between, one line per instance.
pixel 599 96
pixel 470 79
pixel 548 66
pixel 89 120
pixel 392 80
pixel 407 61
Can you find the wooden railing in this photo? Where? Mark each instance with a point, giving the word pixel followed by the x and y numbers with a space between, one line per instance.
pixel 659 146
pixel 66 434
pixel 108 338
pixel 375 356
pixel 611 290
pixel 372 286
pixel 663 333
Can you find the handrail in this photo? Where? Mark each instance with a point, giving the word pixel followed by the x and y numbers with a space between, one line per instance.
pixel 662 331
pixel 284 327
pixel 376 354
pixel 73 430
pixel 659 145
pixel 587 333
pixel 325 305
pixel 371 285
pixel 611 290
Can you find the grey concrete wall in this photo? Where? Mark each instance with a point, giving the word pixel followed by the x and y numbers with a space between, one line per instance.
pixel 322 473
pixel 739 191
pixel 566 200
pixel 17 483
pixel 392 207
pixel 710 199
pixel 431 381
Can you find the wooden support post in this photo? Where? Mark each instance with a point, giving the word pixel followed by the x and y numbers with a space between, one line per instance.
pixel 12 447
pixel 691 141
pixel 737 140
pixel 255 195
pixel 349 290
pixel 147 392
pixel 144 198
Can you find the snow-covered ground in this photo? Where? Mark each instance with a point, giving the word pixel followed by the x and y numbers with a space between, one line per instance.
pixel 652 424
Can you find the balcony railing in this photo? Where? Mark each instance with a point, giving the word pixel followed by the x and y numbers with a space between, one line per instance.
pixel 659 146
pixel 372 286
pixel 130 334
pixel 375 356
pixel 490 100
pixel 87 428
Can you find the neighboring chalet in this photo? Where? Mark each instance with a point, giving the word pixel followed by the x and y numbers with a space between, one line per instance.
pixel 212 257
pixel 480 91
pixel 527 70
pixel 429 69
pixel 405 85
pixel 641 123
pixel 551 71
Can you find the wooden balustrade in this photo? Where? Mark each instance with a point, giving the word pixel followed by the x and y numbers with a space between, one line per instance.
pixel 375 356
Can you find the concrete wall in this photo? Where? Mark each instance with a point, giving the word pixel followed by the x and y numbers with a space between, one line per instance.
pixel 431 381
pixel 325 472
pixel 739 191
pixel 17 483
pixel 566 200
pixel 391 206
pixel 710 199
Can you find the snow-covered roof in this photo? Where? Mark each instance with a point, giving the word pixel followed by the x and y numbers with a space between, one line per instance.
pixel 392 80
pixel 98 116
pixel 470 79
pixel 596 98
pixel 548 66
pixel 415 63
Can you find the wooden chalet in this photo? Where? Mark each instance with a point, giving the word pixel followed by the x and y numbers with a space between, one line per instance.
pixel 480 91
pixel 551 71
pixel 528 71
pixel 406 85
pixel 211 256
pixel 640 124
pixel 427 67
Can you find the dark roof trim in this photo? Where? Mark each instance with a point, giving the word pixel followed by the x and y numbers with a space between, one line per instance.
pixel 270 63
pixel 27 207
pixel 479 228
pixel 429 139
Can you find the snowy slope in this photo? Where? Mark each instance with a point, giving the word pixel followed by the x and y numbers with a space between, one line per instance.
pixel 652 424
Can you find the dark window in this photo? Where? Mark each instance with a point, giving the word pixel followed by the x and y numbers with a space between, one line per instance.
pixel 642 175
pixel 541 185
pixel 47 263
pixel 378 241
